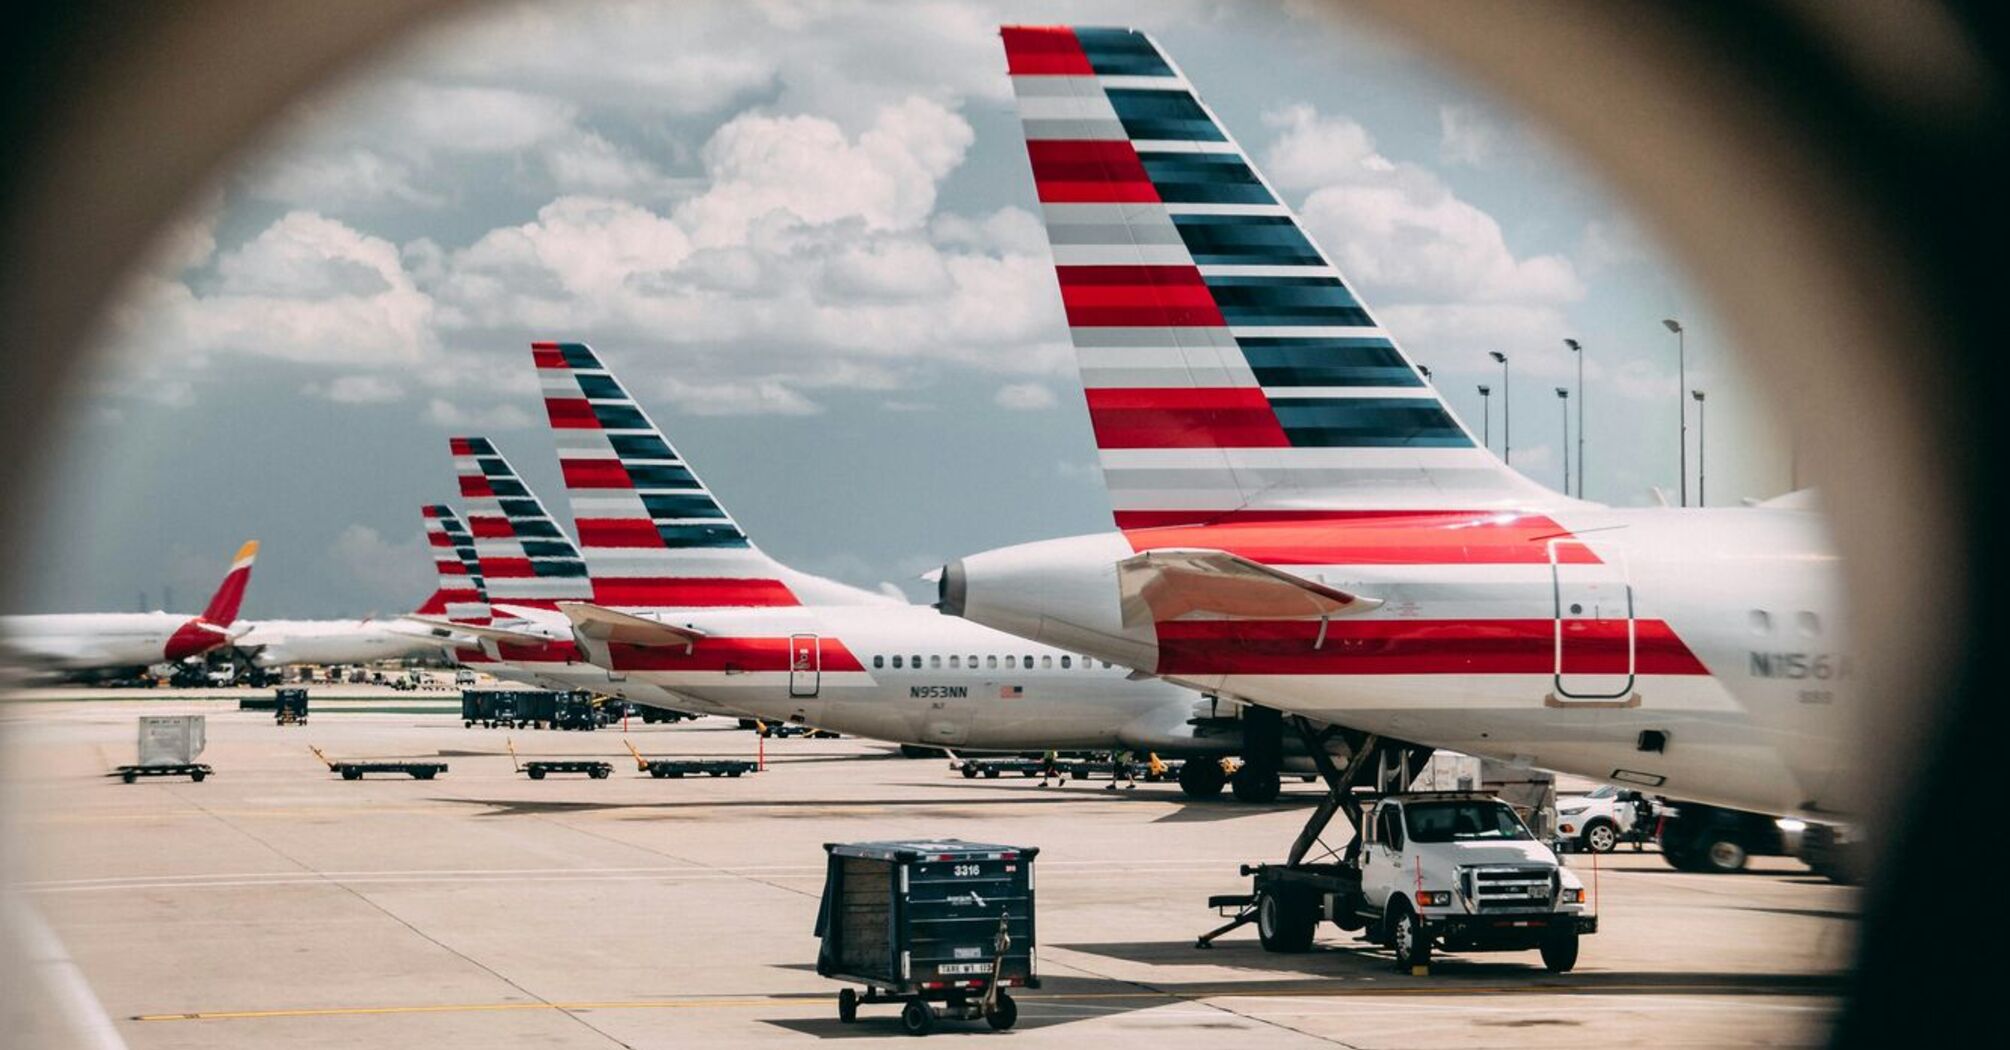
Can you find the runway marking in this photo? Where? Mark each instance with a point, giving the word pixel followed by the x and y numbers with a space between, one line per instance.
pixel 1657 993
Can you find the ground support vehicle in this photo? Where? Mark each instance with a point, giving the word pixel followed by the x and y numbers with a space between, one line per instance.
pixel 354 769
pixel 972 768
pixel 538 769
pixel 943 928
pixel 1715 840
pixel 289 707
pixel 673 768
pixel 167 747
pixel 652 715
pixel 784 730
pixel 195 771
pixel 1456 870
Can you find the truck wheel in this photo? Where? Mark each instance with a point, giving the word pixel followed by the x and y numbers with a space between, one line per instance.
pixel 1006 1013
pixel 1559 952
pixel 916 1018
pixel 1286 920
pixel 1202 778
pixel 1722 855
pixel 1254 785
pixel 1599 836
pixel 847 1006
pixel 1407 937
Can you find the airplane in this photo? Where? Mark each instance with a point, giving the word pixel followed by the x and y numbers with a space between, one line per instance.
pixel 682 598
pixel 101 644
pixel 271 644
pixel 1303 524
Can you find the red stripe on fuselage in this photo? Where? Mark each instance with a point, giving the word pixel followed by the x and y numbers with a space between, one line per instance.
pixel 729 654
pixel 1089 173
pixel 1137 297
pixel 1466 537
pixel 1201 648
pixel 1044 51
pixel 1183 417
pixel 676 592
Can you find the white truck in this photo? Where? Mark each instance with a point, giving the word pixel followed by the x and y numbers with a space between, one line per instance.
pixel 1456 871
pixel 1597 821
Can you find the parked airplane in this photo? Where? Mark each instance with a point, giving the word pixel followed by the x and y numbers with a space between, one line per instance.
pixel 1303 525
pixel 684 599
pixel 107 643
pixel 282 643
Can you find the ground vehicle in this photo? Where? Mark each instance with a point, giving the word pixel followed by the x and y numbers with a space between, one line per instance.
pixel 1456 870
pixel 1715 839
pixel 464 676
pixel 1599 820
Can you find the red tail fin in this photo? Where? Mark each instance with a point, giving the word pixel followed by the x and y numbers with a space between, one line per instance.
pixel 222 608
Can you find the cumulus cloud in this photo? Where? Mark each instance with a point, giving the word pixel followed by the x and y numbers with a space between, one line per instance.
pixel 452 416
pixel 377 568
pixel 356 390
pixel 1467 137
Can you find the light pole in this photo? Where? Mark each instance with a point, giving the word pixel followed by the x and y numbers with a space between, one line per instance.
pixel 1507 409
pixel 1681 384
pixel 1486 416
pixel 1563 399
pixel 1577 350
pixel 1702 438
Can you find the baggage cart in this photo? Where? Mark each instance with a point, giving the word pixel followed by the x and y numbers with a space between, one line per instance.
pixel 289 707
pixel 672 768
pixel 941 927
pixel 538 769
pixel 168 746
pixel 352 769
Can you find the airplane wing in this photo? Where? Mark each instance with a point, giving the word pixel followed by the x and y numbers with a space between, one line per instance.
pixel 1170 584
pixel 600 624
pixel 505 635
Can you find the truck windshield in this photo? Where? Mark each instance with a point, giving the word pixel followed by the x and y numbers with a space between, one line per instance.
pixel 1463 821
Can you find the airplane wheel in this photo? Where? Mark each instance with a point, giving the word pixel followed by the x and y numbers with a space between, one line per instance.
pixel 1202 778
pixel 1251 784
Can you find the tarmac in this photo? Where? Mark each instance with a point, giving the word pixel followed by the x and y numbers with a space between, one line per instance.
pixel 276 904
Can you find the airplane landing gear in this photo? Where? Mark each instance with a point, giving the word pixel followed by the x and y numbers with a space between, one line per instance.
pixel 1201 778
pixel 1255 783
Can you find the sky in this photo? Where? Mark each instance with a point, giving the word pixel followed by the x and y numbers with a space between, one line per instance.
pixel 805 234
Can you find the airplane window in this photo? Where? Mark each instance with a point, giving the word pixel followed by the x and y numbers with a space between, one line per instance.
pixel 1762 622
pixel 878 662
pixel 1066 662
pixel 955 661
pixel 896 663
pixel 991 662
pixel 1011 662
pixel 1029 662
pixel 1809 623
pixel 973 661
pixel 917 661
pixel 1046 663
pixel 934 663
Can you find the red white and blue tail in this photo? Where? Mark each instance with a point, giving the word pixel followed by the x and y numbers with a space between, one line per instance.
pixel 653 535
pixel 1230 370
pixel 523 557
pixel 461 596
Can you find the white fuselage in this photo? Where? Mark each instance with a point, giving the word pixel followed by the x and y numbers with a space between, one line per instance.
pixel 907 674
pixel 1717 633
pixel 91 641
pixel 283 643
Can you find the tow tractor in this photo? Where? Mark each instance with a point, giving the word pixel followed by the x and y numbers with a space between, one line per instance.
pixel 1425 870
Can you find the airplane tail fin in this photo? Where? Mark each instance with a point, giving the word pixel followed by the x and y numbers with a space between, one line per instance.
pixel 461 596
pixel 521 554
pixel 223 605
pixel 653 534
pixel 1229 369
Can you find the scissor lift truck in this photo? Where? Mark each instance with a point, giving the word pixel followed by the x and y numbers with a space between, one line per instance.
pixel 673 768
pixel 354 770
pixel 538 769
pixel 1456 870
pixel 943 928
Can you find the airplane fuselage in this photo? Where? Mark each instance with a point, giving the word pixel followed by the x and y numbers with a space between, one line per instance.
pixel 104 641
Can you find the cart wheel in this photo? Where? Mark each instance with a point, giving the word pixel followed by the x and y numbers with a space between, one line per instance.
pixel 129 776
pixel 916 1018
pixel 847 1006
pixel 711 772
pixel 658 774
pixel 992 773
pixel 197 775
pixel 733 773
pixel 675 774
pixel 969 772
pixel 1005 1014
pixel 599 774
pixel 424 774
pixel 352 774
pixel 537 774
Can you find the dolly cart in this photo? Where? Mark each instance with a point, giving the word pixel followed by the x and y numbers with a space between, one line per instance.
pixel 538 769
pixel 678 767
pixel 168 745
pixel 943 928
pixel 289 707
pixel 353 770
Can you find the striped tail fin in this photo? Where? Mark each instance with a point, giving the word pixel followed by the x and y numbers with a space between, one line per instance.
pixel 1230 371
pixel 522 555
pixel 653 535
pixel 461 596
pixel 223 605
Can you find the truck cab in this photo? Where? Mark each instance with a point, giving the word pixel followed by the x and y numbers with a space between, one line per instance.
pixel 1441 870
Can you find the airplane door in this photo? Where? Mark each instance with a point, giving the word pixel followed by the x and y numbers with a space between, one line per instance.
pixel 1595 641
pixel 806 664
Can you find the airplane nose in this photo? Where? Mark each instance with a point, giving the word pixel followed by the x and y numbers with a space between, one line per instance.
pixel 950 588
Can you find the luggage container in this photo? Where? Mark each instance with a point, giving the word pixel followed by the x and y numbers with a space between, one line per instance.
pixel 289 707
pixel 929 922
pixel 168 746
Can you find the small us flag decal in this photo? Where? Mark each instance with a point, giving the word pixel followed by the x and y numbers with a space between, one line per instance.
pixel 1011 692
